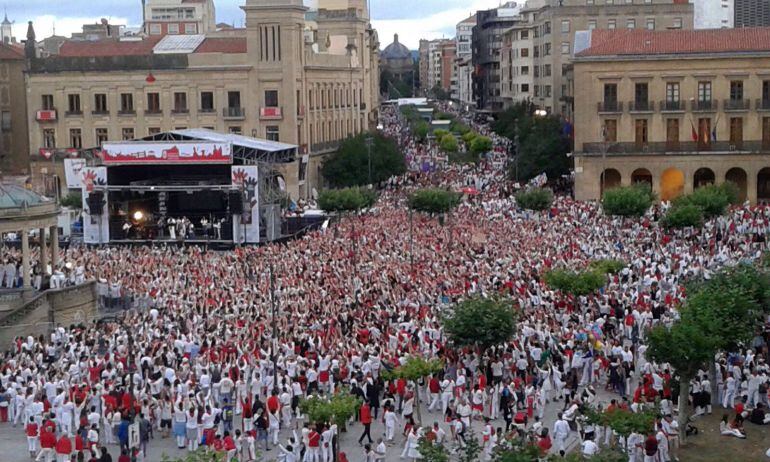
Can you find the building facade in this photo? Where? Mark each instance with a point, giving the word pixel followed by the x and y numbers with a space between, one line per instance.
pixel 179 17
pixel 14 141
pixel 545 33
pixel 462 90
pixel 448 79
pixel 675 109
pixel 487 48
pixel 752 13
pixel 714 14
pixel 282 79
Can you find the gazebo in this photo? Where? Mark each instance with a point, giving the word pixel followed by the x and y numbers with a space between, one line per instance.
pixel 22 210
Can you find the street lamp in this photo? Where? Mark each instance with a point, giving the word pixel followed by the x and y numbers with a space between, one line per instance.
pixel 274 349
pixel 369 141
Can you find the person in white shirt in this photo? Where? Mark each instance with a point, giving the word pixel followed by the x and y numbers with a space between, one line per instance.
pixel 589 448
pixel 560 434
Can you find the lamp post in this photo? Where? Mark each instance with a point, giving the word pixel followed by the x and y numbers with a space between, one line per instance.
pixel 369 141
pixel 274 310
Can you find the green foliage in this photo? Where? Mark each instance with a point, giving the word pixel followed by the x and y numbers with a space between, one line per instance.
pixel 439 93
pixel 683 346
pixel 518 453
pixel 448 143
pixel 751 280
pixel 346 200
pixel 415 369
pixel 337 409
pixel 200 455
pixel 434 201
pixel 349 166
pixel 535 199
pixel 439 133
pixel 459 128
pixel 575 283
pixel 682 216
pixel 444 116
pixel 607 266
pixel 605 455
pixel 625 422
pixel 481 144
pixel 463 158
pixel 432 452
pixel 628 201
pixel 472 449
pixel 469 136
pixel 480 321
pixel 420 130
pixel 712 200
pixel 73 200
pixel 727 314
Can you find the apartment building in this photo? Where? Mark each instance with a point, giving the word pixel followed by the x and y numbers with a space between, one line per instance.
pixel 282 78
pixel 487 49
pixel 676 109
pixel 179 17
pixel 14 144
pixel 546 30
pixel 714 14
pixel 751 13
pixel 462 90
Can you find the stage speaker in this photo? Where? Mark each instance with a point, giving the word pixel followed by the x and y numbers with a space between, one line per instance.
pixel 95 202
pixel 236 202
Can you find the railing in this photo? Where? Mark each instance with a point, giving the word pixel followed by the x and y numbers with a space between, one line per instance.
pixel 232 113
pixel 324 147
pixel 127 112
pixel 762 104
pixel 671 106
pixel 640 106
pixel 207 110
pixel 675 147
pixel 76 113
pixel 153 112
pixel 735 105
pixel 180 110
pixel 100 112
pixel 707 105
pixel 610 106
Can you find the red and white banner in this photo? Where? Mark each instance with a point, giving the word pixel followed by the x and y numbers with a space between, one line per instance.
pixel 47 153
pixel 172 152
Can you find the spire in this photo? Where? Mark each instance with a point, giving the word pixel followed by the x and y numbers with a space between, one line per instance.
pixel 29 47
pixel 5 20
pixel 395 38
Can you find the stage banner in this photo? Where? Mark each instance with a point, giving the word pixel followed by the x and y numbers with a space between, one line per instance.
pixel 246 179
pixel 72 171
pixel 171 152
pixel 96 227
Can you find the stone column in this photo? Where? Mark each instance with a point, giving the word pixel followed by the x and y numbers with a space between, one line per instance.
pixel 54 247
pixel 43 253
pixel 25 258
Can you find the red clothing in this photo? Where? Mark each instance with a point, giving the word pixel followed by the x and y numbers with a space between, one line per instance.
pixel 273 404
pixel 434 385
pixel 365 414
pixel 47 439
pixel 229 443
pixel 31 429
pixel 545 445
pixel 124 458
pixel 314 439
pixel 64 445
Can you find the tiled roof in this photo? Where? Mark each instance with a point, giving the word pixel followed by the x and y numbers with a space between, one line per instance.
pixel 639 42
pixel 11 52
pixel 223 45
pixel 98 48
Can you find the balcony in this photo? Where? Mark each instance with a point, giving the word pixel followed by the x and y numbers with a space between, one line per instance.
pixel 329 146
pixel 736 105
pixel 672 147
pixel 762 105
pixel 672 106
pixel 74 113
pixel 180 111
pixel 153 112
pixel 127 112
pixel 46 115
pixel 708 105
pixel 271 113
pixel 100 112
pixel 233 113
pixel 207 110
pixel 610 107
pixel 640 106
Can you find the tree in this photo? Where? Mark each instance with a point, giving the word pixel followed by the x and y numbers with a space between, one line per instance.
pixel 349 166
pixel 433 201
pixel 448 143
pixel 439 133
pixel 439 93
pixel 682 216
pixel 413 370
pixel 575 283
pixel 607 266
pixel 518 453
pixel 542 148
pixel 346 200
pixel 336 409
pixel 628 201
pixel 712 200
pixel 432 452
pixel 420 130
pixel 535 199
pixel 472 449
pixel 481 145
pixel 482 322
pixel 469 136
pixel 72 200
pixel 200 455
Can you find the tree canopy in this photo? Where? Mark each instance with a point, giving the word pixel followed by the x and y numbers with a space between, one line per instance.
pixel 335 409
pixel 346 200
pixel 628 201
pixel 433 201
pixel 482 322
pixel 535 199
pixel 349 166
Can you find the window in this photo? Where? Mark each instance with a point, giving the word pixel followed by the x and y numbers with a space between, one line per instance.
pixel 49 138
pixel 672 92
pixel 641 96
pixel 190 29
pixel 640 132
pixel 765 92
pixel 76 138
pixel 155 29
pixel 180 102
pixel 47 103
pixel 704 92
pixel 591 24
pixel 153 103
pixel 677 23
pixel 672 134
pixel 173 29
pixel 610 94
pixel 547 91
pixel 235 130
pixel 525 52
pixel 765 132
pixel 611 24
pixel 73 104
pixel 630 23
pixel 565 26
pixel 547 49
pixel 524 34
pixel 100 103
pixel 565 48
pixel 547 28
pixel 207 101
pixel 537 71
pixel 101 136
pixel 736 90
pixel 126 102
pixel 610 132
pixel 128 134
pixel 524 70
pixel 547 70
pixel 736 132
pixel 5 121
pixel 589 2
pixel 272 133
pixel 271 98
pixel 525 88
pixel 650 24
pixel 153 130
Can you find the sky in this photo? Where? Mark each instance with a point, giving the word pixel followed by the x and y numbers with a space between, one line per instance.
pixel 411 19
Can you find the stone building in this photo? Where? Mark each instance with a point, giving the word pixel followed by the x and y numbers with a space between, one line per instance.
pixel 462 90
pixel 14 141
pixel 282 78
pixel 676 109
pixel 487 46
pixel 397 59
pixel 185 17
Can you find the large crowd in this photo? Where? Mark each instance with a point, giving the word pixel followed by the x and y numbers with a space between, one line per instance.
pixel 194 361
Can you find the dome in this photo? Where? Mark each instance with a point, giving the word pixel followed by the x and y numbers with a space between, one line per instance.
pixel 396 50
pixel 14 196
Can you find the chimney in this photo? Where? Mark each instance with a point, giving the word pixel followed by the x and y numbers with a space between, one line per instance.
pixel 29 47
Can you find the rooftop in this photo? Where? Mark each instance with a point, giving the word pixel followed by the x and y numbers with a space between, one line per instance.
pixel 396 50
pixel 8 52
pixel 15 196
pixel 642 42
pixel 171 44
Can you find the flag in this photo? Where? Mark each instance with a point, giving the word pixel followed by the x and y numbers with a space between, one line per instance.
pixel 694 133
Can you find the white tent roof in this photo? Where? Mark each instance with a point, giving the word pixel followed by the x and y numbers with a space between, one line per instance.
pixel 178 44
pixel 237 140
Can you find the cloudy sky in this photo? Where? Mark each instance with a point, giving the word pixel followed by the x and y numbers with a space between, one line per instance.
pixel 411 19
